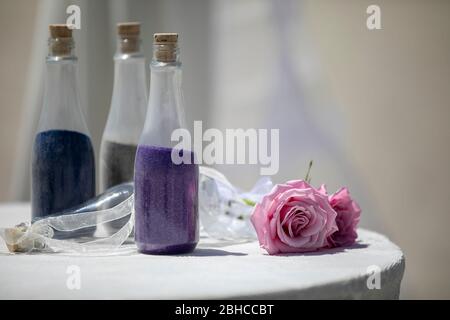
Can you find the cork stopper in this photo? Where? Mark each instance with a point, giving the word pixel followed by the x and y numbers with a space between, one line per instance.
pixel 165 47
pixel 128 29
pixel 61 42
pixel 165 38
pixel 128 33
pixel 60 31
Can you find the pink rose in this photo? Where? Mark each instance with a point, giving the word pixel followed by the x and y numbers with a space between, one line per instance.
pixel 294 217
pixel 348 214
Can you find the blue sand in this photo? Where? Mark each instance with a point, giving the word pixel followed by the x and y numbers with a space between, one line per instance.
pixel 63 171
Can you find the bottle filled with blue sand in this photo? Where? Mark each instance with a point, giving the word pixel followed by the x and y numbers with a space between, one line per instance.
pixel 63 165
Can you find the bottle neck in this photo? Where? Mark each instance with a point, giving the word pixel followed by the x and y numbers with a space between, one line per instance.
pixel 61 106
pixel 129 100
pixel 61 49
pixel 129 79
pixel 128 46
pixel 165 74
pixel 165 80
pixel 165 107
pixel 166 55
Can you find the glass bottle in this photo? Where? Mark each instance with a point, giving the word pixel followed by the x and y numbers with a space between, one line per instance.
pixel 128 107
pixel 63 165
pixel 166 194
pixel 127 114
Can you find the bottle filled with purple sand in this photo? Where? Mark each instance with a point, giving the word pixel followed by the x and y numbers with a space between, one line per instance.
pixel 166 192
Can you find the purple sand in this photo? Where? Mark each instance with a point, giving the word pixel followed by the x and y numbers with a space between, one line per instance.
pixel 166 202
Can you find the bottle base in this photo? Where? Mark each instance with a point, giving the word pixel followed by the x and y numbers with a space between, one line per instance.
pixel 159 249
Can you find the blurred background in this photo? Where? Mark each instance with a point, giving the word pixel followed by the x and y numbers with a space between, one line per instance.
pixel 370 107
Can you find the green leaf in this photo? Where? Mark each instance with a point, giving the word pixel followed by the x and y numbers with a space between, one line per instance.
pixel 308 177
pixel 249 202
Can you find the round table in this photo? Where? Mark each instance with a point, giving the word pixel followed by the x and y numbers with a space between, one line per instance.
pixel 371 269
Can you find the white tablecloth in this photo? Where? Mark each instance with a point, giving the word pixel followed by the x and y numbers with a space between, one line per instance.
pixel 215 270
